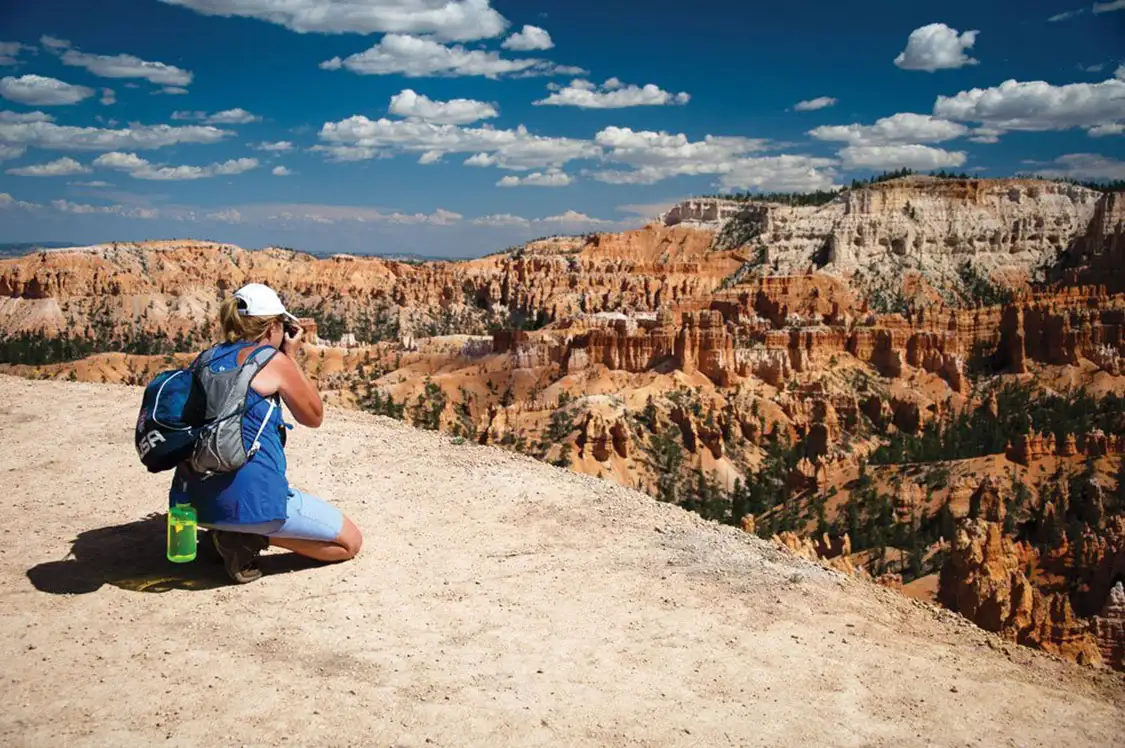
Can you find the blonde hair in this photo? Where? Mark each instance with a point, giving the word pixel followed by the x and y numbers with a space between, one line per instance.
pixel 240 327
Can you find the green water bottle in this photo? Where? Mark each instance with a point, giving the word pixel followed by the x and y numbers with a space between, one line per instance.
pixel 181 533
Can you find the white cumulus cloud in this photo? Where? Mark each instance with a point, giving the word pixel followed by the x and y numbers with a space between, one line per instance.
pixel 811 105
pixel 530 38
pixel 786 173
pixel 44 134
pixel 358 138
pixel 281 171
pixel 1084 166
pixel 128 66
pixel 172 90
pixel 108 97
pixel 916 157
pixel 551 178
pixel 412 105
pixel 458 20
pixel 62 167
pixel 139 168
pixel 626 156
pixel 611 95
pixel 232 117
pixel 38 90
pixel 937 47
pixel 418 57
pixel 1037 105
pixel 905 127
pixel 655 156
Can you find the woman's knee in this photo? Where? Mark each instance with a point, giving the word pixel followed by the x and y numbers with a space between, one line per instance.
pixel 350 538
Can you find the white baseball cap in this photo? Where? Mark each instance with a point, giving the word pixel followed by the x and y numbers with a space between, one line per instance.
pixel 258 300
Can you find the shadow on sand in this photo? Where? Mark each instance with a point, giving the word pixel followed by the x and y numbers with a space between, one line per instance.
pixel 131 556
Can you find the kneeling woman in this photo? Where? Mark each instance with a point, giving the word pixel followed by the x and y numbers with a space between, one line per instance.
pixel 255 507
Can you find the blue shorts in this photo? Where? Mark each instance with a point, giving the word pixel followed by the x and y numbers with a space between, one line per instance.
pixel 306 518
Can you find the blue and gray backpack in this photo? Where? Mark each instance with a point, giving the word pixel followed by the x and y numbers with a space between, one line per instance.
pixel 194 415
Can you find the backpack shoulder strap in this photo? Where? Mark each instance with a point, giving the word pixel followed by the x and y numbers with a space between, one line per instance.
pixel 263 354
pixel 204 359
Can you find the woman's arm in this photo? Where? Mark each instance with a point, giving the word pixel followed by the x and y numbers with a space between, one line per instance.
pixel 283 375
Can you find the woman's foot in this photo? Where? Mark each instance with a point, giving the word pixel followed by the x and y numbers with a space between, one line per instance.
pixel 239 552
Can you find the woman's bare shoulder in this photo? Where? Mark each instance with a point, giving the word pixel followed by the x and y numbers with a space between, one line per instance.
pixel 276 371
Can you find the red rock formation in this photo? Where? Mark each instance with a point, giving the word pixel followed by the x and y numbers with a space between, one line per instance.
pixel 805 548
pixel 602 438
pixel 1028 448
pixel 985 582
pixel 987 502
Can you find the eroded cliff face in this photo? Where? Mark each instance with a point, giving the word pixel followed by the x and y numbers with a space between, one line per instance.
pixel 1099 256
pixel 891 232
pixel 169 287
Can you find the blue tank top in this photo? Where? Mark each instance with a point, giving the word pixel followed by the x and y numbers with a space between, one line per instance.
pixel 258 491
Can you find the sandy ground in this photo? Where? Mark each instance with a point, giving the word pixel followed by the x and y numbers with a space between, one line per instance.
pixel 498 601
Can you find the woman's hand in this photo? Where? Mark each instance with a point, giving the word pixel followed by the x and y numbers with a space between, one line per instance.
pixel 291 343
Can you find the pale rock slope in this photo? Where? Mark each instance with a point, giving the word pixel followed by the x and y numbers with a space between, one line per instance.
pixel 498 601
pixel 1007 229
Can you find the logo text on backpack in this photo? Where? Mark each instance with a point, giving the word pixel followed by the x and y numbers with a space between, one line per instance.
pixel 148 441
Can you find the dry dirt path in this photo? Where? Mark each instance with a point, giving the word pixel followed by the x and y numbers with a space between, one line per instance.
pixel 498 601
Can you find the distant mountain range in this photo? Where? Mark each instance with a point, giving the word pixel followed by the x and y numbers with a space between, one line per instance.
pixel 18 249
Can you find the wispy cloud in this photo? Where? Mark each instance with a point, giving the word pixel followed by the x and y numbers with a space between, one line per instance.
pixel 1066 16
pixel 811 105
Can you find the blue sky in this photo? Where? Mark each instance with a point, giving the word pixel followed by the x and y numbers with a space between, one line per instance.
pixel 458 127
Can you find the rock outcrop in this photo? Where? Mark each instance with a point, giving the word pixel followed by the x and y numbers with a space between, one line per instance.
pixel 984 581
pixel 922 225
pixel 1109 628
